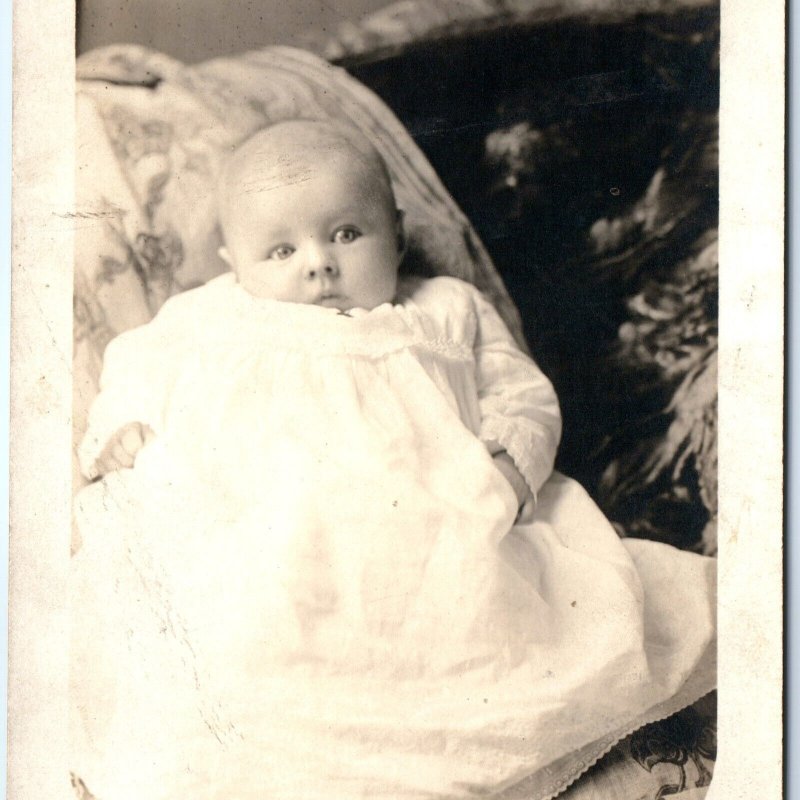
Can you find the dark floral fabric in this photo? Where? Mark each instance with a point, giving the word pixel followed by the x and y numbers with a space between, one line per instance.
pixel 687 740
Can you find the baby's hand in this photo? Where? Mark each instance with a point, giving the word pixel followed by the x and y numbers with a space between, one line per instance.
pixel 122 449
pixel 506 465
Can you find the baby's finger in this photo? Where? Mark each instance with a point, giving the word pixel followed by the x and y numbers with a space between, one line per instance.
pixel 131 440
pixel 121 456
pixel 148 434
pixel 104 465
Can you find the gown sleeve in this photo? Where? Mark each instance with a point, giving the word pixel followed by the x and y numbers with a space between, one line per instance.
pixel 134 384
pixel 518 405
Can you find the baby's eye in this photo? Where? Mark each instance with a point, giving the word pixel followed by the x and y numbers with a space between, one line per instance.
pixel 280 253
pixel 346 235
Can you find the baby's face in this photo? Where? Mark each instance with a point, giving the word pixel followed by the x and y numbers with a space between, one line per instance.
pixel 329 235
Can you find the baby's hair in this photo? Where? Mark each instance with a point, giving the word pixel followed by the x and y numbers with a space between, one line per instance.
pixel 288 151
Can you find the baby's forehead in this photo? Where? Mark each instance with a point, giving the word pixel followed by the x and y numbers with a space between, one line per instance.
pixel 290 153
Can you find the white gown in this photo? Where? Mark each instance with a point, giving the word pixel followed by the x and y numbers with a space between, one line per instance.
pixel 312 584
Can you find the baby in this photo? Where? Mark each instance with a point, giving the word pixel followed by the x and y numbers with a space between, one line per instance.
pixel 332 236
pixel 328 556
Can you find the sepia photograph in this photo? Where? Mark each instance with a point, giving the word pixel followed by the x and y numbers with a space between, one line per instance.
pixel 393 458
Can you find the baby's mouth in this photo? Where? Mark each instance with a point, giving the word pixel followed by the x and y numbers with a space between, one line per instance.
pixel 331 300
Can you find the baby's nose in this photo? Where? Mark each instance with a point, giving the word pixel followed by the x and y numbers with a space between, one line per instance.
pixel 320 262
pixel 327 270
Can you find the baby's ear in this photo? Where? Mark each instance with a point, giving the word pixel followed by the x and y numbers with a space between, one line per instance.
pixel 225 256
pixel 402 242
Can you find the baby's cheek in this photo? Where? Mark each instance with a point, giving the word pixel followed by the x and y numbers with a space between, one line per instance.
pixel 380 285
pixel 260 281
